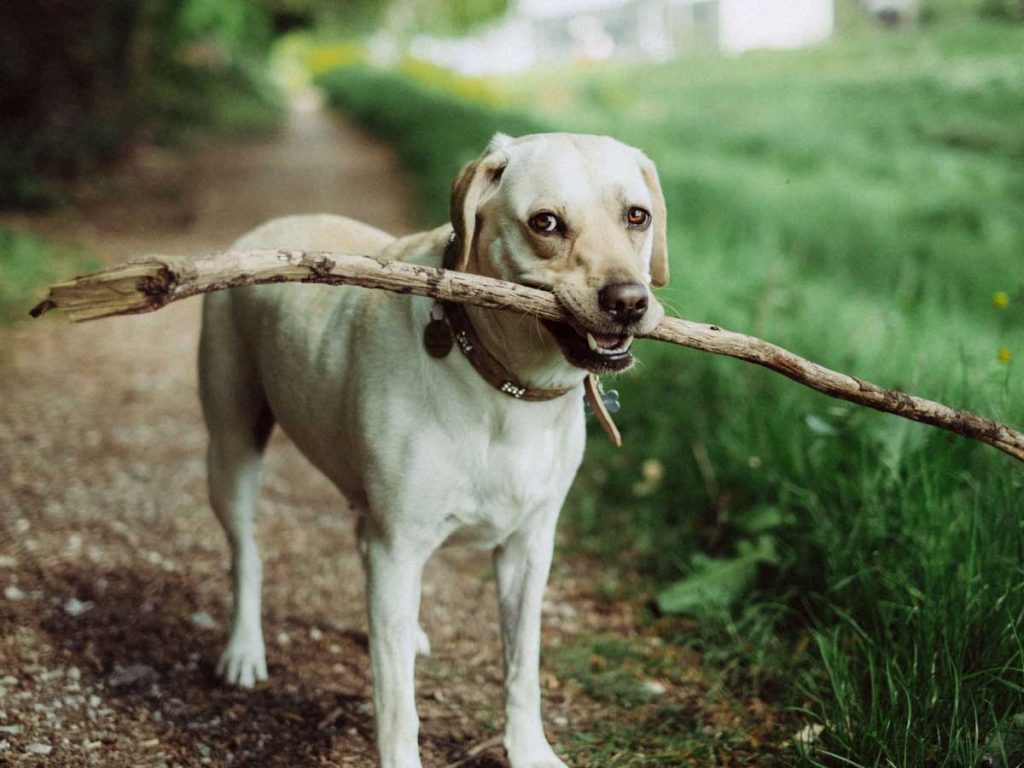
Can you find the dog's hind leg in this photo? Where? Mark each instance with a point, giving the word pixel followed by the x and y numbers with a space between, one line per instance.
pixel 239 422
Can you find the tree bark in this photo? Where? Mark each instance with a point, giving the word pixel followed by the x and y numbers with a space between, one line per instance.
pixel 148 284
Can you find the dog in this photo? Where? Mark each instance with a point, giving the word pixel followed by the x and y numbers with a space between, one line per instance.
pixel 441 424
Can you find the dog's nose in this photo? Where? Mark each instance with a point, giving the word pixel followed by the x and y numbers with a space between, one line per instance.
pixel 625 302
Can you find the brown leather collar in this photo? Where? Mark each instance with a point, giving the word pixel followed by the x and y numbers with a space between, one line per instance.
pixel 486 364
pixel 438 340
pixel 483 361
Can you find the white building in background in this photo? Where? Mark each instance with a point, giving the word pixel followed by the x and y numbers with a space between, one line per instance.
pixel 537 32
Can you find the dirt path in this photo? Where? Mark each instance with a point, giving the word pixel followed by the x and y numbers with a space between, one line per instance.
pixel 113 570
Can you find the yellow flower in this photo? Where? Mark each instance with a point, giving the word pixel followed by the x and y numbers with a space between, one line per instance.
pixel 1004 355
pixel 1001 299
pixel 653 470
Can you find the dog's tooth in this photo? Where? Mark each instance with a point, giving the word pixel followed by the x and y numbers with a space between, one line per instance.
pixel 591 342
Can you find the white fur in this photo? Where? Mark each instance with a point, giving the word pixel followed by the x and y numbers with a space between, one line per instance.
pixel 426 450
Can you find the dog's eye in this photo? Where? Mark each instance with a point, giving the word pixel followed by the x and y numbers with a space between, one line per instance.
pixel 545 223
pixel 638 218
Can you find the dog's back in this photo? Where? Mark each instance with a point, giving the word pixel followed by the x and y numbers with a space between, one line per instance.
pixel 244 330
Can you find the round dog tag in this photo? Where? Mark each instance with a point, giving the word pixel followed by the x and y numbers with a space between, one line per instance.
pixel 437 338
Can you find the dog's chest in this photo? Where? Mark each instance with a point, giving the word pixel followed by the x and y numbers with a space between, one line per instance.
pixel 513 470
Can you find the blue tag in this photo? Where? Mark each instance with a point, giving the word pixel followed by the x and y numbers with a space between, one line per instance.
pixel 609 398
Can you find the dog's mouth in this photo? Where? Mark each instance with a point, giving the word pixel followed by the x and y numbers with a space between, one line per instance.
pixel 592 351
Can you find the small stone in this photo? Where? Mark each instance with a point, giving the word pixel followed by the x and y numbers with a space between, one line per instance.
pixel 10 730
pixel 73 673
pixel 132 674
pixel 654 688
pixel 149 743
pixel 4 745
pixel 13 593
pixel 8 680
pixel 315 634
pixel 75 607
pixel 334 648
pixel 809 734
pixel 39 749
pixel 203 620
pixel 560 721
pixel 94 701
pixel 203 749
pixel 283 639
pixel 6 561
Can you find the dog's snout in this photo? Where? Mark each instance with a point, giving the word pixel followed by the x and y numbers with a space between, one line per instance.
pixel 625 302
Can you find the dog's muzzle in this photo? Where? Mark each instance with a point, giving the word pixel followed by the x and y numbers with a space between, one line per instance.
pixel 597 352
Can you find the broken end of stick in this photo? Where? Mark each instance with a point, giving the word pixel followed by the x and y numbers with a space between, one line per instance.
pixel 127 289
pixel 42 308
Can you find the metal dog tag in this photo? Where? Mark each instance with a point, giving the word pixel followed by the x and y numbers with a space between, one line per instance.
pixel 600 403
pixel 437 336
pixel 609 398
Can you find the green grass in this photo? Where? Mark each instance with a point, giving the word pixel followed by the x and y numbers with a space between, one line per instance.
pixel 27 265
pixel 678 722
pixel 860 204
pixel 610 670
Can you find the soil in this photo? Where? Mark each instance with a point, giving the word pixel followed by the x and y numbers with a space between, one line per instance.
pixel 113 571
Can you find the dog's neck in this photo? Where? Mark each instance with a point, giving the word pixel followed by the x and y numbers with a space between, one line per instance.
pixel 524 348
pixel 519 342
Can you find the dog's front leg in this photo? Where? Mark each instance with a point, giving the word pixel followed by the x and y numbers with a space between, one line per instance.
pixel 522 564
pixel 394 571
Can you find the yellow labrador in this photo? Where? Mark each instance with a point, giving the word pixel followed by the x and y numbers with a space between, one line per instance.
pixel 440 425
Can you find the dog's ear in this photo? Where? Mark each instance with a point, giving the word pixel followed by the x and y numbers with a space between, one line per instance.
pixel 469 190
pixel 659 250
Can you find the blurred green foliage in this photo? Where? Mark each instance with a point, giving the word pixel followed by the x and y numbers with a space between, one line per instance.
pixel 860 204
pixel 952 10
pixel 27 264
pixel 79 80
pixel 445 16
pixel 433 128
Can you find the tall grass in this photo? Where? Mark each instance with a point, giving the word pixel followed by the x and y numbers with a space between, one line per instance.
pixel 860 204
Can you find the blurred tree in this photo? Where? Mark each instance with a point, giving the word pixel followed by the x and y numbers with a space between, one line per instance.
pixel 456 16
pixel 358 16
pixel 75 75
pixel 405 18
pixel 1004 10
pixel 79 78
pixel 64 76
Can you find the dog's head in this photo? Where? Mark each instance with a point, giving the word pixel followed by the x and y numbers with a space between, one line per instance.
pixel 582 216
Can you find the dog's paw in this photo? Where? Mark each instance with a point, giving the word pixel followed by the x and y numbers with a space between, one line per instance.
pixel 422 642
pixel 243 663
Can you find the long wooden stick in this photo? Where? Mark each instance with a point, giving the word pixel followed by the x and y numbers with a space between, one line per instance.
pixel 148 284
